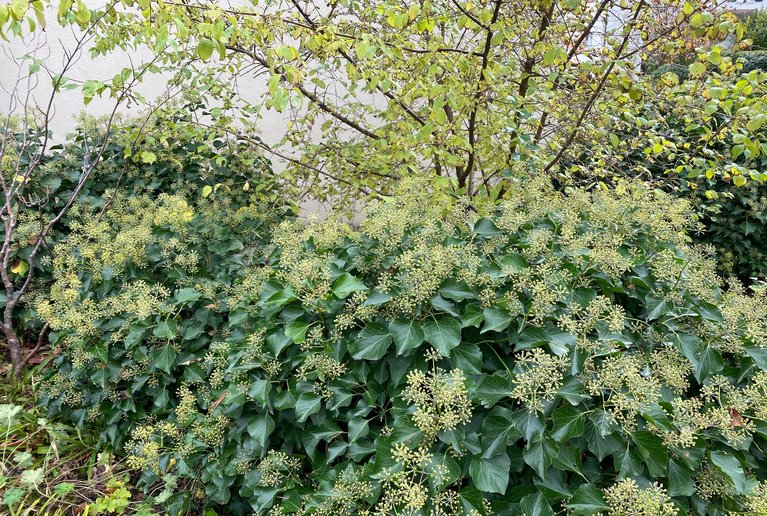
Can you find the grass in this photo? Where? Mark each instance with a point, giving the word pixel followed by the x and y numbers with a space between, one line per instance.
pixel 47 468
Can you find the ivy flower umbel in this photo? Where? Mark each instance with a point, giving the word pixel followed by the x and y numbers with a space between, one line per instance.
pixel 626 498
pixel 276 468
pixel 539 377
pixel 441 400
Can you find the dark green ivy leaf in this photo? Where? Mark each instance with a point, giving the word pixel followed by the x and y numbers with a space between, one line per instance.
pixel 491 475
pixel 372 342
pixel 443 334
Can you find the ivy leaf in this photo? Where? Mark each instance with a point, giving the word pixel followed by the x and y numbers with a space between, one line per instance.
pixel 358 428
pixel 260 427
pixel 732 469
pixel 568 423
pixel 297 331
pixel 536 455
pixel 706 360
pixel 372 342
pixel 346 284
pixel 758 355
pixel 493 388
pixel 443 334
pixel 456 290
pixel 679 480
pixel 307 404
pixel 587 500
pixel 187 295
pixel 377 298
pixel 653 452
pixel 467 358
pixel 491 475
pixel 163 358
pixel 407 334
pixel 497 431
pixel 165 330
pixel 485 227
pixel 496 319
pixel 536 505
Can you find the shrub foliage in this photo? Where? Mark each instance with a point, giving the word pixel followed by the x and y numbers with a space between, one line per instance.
pixel 559 351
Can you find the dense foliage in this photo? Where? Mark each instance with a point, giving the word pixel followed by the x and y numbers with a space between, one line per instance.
pixel 560 351
pixel 170 156
pixel 702 139
pixel 756 29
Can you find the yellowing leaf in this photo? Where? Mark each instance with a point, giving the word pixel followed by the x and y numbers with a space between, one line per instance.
pixel 20 267
pixel 697 69
pixel 206 191
pixel 148 157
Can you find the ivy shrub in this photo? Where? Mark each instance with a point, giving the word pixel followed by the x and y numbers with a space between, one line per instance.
pixel 167 155
pixel 753 60
pixel 681 70
pixel 756 29
pixel 561 351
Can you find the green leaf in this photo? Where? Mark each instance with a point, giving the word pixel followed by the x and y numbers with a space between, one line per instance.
pixel 697 69
pixel 297 331
pixel 260 427
pixel 163 358
pixel 165 330
pixel 587 500
pixel 443 305
pixel 652 451
pixel 491 389
pixel 148 157
pixel 346 284
pixel 372 342
pixel 205 49
pixel 536 505
pixel 706 360
pixel 377 298
pixel 456 290
pixel 568 423
pixel 307 404
pixel 443 334
pixel 472 316
pixel 407 334
pixel 758 355
pixel 485 227
pixel 680 481
pixel 497 431
pixel 536 455
pixel 187 295
pixel 358 428
pixel 496 319
pixel 559 341
pixel 467 358
pixel 732 469
pixel 491 475
pixel 19 8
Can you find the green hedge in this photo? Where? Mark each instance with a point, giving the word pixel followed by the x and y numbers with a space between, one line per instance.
pixel 558 352
pixel 682 71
